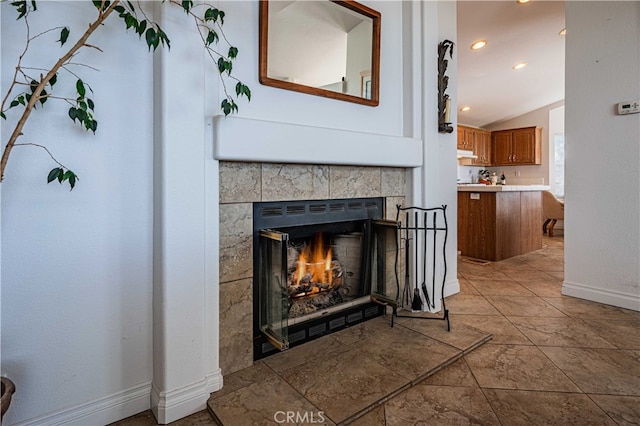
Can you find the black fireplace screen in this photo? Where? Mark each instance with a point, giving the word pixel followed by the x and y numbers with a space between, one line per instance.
pixel 318 264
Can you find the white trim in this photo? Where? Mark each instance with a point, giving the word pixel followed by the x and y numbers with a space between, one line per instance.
pixel 215 381
pixel 99 411
pixel 606 296
pixel 176 404
pixel 295 143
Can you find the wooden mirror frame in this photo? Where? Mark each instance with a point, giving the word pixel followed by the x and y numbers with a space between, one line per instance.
pixel 375 57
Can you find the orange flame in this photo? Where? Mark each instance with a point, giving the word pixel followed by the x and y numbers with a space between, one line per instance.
pixel 315 260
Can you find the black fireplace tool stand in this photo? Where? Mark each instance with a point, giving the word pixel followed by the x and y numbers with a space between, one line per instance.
pixel 414 225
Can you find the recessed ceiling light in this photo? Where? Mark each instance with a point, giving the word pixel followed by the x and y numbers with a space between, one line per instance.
pixel 563 31
pixel 519 66
pixel 465 108
pixel 478 44
pixel 522 1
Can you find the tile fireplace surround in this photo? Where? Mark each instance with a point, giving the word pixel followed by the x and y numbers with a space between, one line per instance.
pixel 243 183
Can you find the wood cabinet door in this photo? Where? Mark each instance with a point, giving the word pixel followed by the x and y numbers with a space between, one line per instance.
pixel 461 137
pixel 524 146
pixel 501 147
pixel 482 147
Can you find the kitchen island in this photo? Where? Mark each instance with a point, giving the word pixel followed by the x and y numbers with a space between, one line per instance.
pixel 496 222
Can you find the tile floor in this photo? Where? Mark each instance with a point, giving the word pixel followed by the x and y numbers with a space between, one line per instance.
pixel 551 360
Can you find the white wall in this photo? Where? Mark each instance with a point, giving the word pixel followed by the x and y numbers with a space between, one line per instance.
pixel 76 266
pixel 602 217
pixel 82 271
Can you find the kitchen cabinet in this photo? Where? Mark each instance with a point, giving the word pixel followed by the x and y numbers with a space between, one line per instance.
pixel 482 147
pixel 465 138
pixel 516 146
pixel 478 141
pixel 496 225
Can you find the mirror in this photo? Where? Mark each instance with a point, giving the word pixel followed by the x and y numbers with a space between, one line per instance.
pixel 322 47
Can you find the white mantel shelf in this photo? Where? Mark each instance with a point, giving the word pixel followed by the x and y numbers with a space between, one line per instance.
pixel 251 140
pixel 502 188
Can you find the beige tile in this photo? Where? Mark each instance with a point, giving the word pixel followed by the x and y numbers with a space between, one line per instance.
pixel 467 288
pixel 624 410
pixel 499 288
pixel 516 367
pixel 236 244
pixel 622 334
pixel 469 305
pixel 548 265
pixel 486 274
pixel 544 288
pixel 344 383
pixel 393 181
pixel 403 351
pixel 524 306
pixel 528 408
pixel 240 182
pixel 500 329
pixel 559 332
pixel 522 276
pixel 374 417
pixel 358 332
pixel 348 181
pixel 391 209
pixel 201 418
pixel 439 405
pixel 306 353
pixel 605 371
pixel 455 374
pixel 460 336
pixel 294 182
pixel 262 403
pixel 243 378
pixel 513 264
pixel 586 309
pixel 236 326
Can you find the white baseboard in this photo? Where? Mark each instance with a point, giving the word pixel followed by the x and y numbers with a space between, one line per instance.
pixel 214 381
pixel 606 296
pixel 169 406
pixel 451 287
pixel 101 411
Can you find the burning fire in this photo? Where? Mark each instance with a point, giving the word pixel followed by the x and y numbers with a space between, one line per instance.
pixel 314 263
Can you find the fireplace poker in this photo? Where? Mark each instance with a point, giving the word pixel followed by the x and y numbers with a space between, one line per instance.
pixel 416 305
pixel 407 285
pixel 424 263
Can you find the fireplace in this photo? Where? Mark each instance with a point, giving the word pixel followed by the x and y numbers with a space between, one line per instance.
pixel 316 266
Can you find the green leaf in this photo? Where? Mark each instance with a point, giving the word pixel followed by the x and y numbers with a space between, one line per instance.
pixel 186 5
pixel 151 38
pixel 72 180
pixel 60 175
pixel 142 25
pixel 2 115
pixel 21 8
pixel 247 92
pixel 93 125
pixel 43 97
pixel 130 21
pixel 82 105
pixel 53 80
pixel 64 35
pixel 33 4
pixel 163 38
pixel 90 104
pixel 34 85
pixel 233 52
pixel 73 113
pixel 212 37
pixel 14 103
pixel 21 99
pixel 211 14
pixel 53 174
pixel 221 16
pixel 80 88
pixel 221 65
pixel 119 9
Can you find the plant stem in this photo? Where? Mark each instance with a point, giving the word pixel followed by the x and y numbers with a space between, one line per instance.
pixel 17 132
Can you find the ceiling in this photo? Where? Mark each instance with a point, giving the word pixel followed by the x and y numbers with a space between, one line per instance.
pixel 514 33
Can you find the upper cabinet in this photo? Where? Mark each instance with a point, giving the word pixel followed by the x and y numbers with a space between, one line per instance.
pixel 517 146
pixel 482 147
pixel 478 141
pixel 465 138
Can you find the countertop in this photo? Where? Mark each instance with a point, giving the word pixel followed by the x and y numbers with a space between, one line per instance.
pixel 501 188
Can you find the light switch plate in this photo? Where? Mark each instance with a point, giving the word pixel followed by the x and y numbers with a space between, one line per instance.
pixel 628 107
pixel 474 196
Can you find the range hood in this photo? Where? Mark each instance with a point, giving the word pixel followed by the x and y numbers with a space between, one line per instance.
pixel 466 154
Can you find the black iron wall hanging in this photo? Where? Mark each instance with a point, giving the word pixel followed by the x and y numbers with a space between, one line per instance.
pixel 444 102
